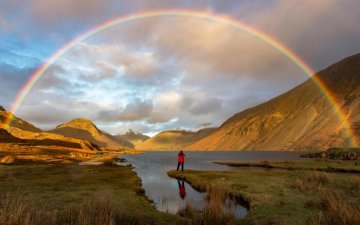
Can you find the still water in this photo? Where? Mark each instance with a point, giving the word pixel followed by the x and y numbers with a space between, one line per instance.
pixel 171 195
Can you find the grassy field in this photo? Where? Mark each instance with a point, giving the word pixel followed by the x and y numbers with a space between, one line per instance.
pixel 71 194
pixel 279 196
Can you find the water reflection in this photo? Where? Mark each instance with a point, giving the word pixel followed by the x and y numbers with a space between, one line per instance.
pixel 182 191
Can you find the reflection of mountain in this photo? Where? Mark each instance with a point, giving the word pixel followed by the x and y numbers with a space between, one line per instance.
pixel 299 119
pixel 132 138
pixel 84 129
pixel 173 139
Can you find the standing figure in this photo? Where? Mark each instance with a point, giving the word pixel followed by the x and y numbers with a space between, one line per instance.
pixel 181 160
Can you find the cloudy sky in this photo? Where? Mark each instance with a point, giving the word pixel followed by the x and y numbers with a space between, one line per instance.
pixel 163 73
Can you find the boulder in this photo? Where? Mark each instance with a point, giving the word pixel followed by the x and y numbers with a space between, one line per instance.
pixel 7 159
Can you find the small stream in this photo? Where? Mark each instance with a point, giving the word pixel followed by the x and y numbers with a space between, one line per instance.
pixel 171 195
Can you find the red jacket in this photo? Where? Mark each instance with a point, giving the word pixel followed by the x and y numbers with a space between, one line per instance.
pixel 181 157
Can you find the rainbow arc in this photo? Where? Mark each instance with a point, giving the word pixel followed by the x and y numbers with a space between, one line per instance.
pixel 36 76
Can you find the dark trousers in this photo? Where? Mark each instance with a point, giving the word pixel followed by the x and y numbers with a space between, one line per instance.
pixel 182 166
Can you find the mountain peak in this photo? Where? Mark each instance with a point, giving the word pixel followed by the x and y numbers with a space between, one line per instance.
pixel 81 124
pixel 77 122
pixel 132 132
pixel 2 109
pixel 85 129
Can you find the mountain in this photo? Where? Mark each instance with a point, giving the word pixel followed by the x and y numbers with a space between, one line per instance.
pixel 16 122
pixel 300 119
pixel 173 139
pixel 84 129
pixel 132 137
pixel 24 142
pixel 25 132
pixel 6 137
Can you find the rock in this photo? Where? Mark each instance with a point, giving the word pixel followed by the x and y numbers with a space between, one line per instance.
pixel 7 159
pixel 2 109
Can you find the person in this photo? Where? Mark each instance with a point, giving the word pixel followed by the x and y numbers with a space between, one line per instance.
pixel 182 192
pixel 181 160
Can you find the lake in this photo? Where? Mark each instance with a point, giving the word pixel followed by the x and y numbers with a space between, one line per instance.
pixel 168 193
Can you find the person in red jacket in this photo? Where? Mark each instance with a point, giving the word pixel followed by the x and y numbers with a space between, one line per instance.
pixel 181 160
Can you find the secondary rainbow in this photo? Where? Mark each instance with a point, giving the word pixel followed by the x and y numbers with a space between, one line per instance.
pixel 189 14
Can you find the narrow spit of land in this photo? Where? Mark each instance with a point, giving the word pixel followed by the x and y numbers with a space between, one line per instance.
pixel 289 192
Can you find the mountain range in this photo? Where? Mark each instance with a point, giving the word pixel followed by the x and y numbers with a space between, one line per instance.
pixel 173 139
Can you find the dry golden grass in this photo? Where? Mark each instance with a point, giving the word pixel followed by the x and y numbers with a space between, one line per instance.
pixel 312 181
pixel 17 209
pixel 336 210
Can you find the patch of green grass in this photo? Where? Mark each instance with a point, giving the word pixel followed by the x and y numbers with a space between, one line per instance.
pixel 61 187
pixel 274 195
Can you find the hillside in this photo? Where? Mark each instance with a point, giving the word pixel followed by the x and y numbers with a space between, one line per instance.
pixel 173 139
pixel 300 119
pixel 84 129
pixel 16 122
pixel 132 137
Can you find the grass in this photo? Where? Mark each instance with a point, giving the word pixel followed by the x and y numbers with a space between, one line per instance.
pixel 336 206
pixel 72 194
pixel 325 165
pixel 286 196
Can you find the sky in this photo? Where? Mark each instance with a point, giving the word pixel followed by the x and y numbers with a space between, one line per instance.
pixel 163 73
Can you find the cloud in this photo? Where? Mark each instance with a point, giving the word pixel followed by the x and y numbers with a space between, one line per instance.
pixel 325 35
pixel 11 81
pixel 166 72
pixel 206 106
pixel 52 10
pixel 136 110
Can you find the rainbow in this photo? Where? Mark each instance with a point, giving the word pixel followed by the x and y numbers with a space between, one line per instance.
pixel 189 14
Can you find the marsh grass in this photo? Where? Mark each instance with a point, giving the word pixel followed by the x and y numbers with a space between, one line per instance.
pixel 312 181
pixel 17 209
pixel 213 212
pixel 336 210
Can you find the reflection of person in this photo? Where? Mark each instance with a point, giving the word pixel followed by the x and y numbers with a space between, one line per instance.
pixel 181 160
pixel 182 191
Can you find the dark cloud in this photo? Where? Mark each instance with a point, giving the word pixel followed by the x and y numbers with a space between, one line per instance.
pixel 12 80
pixel 206 107
pixel 47 120
pixel 136 110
